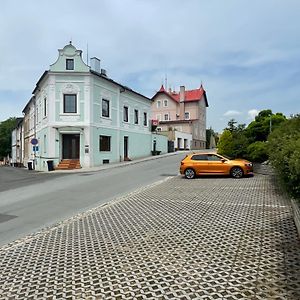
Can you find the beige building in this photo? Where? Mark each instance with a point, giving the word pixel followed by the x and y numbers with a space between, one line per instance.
pixel 183 113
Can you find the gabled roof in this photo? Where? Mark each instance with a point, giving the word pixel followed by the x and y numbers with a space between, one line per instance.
pixel 189 95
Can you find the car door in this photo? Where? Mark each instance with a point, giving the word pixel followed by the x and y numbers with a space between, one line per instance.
pixel 216 164
pixel 199 163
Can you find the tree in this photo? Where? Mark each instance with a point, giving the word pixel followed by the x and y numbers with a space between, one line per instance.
pixel 6 128
pixel 225 145
pixel 231 125
pixel 264 123
pixel 233 141
pixel 211 138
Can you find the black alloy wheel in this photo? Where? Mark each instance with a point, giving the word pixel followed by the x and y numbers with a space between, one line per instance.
pixel 189 173
pixel 237 172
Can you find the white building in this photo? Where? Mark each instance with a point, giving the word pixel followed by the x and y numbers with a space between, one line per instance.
pixel 82 118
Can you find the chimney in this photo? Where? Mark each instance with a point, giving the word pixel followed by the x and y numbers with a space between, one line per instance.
pixel 181 102
pixel 103 72
pixel 182 91
pixel 95 64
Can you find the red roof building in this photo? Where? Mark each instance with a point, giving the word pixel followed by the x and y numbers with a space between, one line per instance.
pixel 183 111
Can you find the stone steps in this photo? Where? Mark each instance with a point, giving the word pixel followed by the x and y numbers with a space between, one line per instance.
pixel 68 164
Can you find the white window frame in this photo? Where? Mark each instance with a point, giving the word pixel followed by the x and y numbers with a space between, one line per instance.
pixel 76 103
pixel 73 64
pixel 145 114
pixel 168 119
pixel 165 103
pixel 109 108
pixel 109 138
pixel 158 104
pixel 70 89
pixel 45 107
pixel 127 114
pixel 158 117
pixel 136 119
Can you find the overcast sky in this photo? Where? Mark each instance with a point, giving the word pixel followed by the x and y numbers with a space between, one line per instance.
pixel 246 53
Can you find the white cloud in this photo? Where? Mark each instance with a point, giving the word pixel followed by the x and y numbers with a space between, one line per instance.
pixel 252 113
pixel 235 57
pixel 232 113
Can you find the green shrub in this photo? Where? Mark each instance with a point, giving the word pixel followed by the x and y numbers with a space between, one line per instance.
pixel 257 152
pixel 284 153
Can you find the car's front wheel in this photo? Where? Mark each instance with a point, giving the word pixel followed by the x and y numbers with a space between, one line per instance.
pixel 237 172
pixel 189 173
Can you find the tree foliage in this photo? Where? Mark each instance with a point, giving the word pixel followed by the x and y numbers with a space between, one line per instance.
pixel 268 136
pixel 257 151
pixel 6 128
pixel 225 145
pixel 233 141
pixel 211 138
pixel 284 153
pixel 264 123
pixel 244 140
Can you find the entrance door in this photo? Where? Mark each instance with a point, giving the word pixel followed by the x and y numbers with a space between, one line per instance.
pixel 125 147
pixel 70 146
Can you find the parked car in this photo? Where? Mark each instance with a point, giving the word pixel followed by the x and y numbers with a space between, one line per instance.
pixel 214 164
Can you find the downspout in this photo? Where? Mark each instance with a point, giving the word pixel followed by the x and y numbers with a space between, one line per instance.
pixel 34 130
pixel 118 125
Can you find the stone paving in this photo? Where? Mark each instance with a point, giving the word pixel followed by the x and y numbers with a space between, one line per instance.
pixel 208 238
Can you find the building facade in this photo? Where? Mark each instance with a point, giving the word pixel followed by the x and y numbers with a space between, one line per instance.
pixel 77 113
pixel 17 144
pixel 184 113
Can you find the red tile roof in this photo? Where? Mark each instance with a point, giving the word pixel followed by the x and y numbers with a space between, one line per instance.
pixel 189 95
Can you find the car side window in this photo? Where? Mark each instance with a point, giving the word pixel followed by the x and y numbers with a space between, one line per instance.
pixel 214 158
pixel 199 157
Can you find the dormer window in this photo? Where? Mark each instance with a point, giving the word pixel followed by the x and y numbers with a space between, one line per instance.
pixel 69 64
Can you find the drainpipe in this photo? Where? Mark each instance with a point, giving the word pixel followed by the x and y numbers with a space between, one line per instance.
pixel 34 129
pixel 118 124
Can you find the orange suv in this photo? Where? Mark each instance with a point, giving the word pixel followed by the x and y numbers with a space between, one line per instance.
pixel 214 164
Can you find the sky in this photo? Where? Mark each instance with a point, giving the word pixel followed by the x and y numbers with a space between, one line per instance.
pixel 245 53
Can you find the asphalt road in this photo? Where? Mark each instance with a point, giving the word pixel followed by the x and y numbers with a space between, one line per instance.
pixel 50 198
pixel 10 177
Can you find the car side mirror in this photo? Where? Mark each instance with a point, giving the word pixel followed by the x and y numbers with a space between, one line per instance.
pixel 223 160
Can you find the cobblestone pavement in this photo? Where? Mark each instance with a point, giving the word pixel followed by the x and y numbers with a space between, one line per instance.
pixel 208 238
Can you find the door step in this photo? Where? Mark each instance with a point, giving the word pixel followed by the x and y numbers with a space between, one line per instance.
pixel 68 164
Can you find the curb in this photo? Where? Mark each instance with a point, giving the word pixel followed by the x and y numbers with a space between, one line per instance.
pixel 296 214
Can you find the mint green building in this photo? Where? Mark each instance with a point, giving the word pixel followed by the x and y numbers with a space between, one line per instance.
pixel 81 116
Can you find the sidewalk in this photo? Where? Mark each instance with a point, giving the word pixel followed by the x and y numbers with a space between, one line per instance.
pixel 117 165
pixel 208 238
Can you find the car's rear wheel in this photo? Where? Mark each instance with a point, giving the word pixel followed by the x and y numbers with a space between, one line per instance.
pixel 189 173
pixel 237 172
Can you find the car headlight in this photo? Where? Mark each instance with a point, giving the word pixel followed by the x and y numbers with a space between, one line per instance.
pixel 249 165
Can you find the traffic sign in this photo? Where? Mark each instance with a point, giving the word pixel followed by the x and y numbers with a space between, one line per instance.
pixel 34 141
